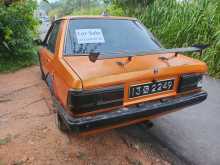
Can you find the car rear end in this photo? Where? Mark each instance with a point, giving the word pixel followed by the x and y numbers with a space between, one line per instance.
pixel 120 105
pixel 115 95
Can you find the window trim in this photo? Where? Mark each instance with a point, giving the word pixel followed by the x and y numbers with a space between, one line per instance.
pixel 49 33
pixel 65 38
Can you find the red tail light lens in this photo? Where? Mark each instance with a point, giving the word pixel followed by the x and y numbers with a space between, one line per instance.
pixel 92 100
pixel 190 82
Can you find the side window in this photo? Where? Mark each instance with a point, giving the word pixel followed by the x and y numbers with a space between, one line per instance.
pixel 51 41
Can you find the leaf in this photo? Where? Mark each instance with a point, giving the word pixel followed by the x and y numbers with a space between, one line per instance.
pixel 6 45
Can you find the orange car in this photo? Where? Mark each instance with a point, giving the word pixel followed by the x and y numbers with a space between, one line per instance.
pixel 107 72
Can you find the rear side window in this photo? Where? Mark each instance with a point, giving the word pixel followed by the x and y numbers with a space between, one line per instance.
pixel 51 41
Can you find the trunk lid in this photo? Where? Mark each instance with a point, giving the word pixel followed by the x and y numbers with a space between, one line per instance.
pixel 141 69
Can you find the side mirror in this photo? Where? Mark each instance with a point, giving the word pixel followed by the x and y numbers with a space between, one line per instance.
pixel 38 41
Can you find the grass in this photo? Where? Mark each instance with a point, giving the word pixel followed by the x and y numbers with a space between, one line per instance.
pixel 7 65
pixel 184 24
pixel 11 66
pixel 5 140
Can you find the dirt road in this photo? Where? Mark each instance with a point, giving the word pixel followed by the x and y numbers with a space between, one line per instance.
pixel 29 135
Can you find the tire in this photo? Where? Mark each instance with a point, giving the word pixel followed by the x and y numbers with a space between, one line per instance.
pixel 61 125
pixel 43 77
pixel 42 74
pixel 148 124
pixel 49 82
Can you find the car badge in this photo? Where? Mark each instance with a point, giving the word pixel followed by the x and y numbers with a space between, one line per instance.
pixel 156 70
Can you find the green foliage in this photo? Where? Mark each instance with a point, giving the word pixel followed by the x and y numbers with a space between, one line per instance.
pixel 115 10
pixel 179 24
pixel 44 5
pixel 130 7
pixel 76 7
pixel 17 30
pixel 5 140
pixel 83 11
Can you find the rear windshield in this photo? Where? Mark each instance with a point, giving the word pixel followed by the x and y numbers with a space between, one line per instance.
pixel 107 36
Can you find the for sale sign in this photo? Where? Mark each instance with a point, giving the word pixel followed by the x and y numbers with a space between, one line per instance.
pixel 89 36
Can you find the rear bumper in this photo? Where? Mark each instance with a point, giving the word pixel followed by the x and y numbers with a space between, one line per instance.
pixel 123 115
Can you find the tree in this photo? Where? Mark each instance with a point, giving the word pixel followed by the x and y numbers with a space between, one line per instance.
pixel 67 7
pixel 9 2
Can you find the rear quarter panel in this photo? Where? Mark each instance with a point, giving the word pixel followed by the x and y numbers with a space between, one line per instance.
pixel 63 77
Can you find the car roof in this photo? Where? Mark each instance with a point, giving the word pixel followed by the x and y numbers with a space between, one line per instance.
pixel 97 17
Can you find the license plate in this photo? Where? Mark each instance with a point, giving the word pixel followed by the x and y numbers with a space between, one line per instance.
pixel 151 88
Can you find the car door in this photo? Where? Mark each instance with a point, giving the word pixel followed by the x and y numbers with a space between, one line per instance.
pixel 49 50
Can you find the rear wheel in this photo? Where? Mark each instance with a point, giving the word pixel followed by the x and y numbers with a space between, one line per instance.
pixel 42 73
pixel 148 124
pixel 49 82
pixel 61 125
pixel 43 77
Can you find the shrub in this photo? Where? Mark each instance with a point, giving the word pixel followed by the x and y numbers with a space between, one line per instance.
pixel 76 7
pixel 83 11
pixel 17 30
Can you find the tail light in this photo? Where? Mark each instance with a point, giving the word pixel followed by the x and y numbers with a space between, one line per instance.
pixel 92 100
pixel 190 81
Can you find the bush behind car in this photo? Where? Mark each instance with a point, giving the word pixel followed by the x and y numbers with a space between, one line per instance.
pixel 17 32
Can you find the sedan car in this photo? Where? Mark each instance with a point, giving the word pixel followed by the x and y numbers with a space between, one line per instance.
pixel 107 72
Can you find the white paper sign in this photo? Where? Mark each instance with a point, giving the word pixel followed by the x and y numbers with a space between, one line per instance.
pixel 89 36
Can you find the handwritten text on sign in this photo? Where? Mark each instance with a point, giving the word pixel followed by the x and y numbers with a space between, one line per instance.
pixel 89 36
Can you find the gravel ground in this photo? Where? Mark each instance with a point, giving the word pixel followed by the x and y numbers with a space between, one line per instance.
pixel 29 135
